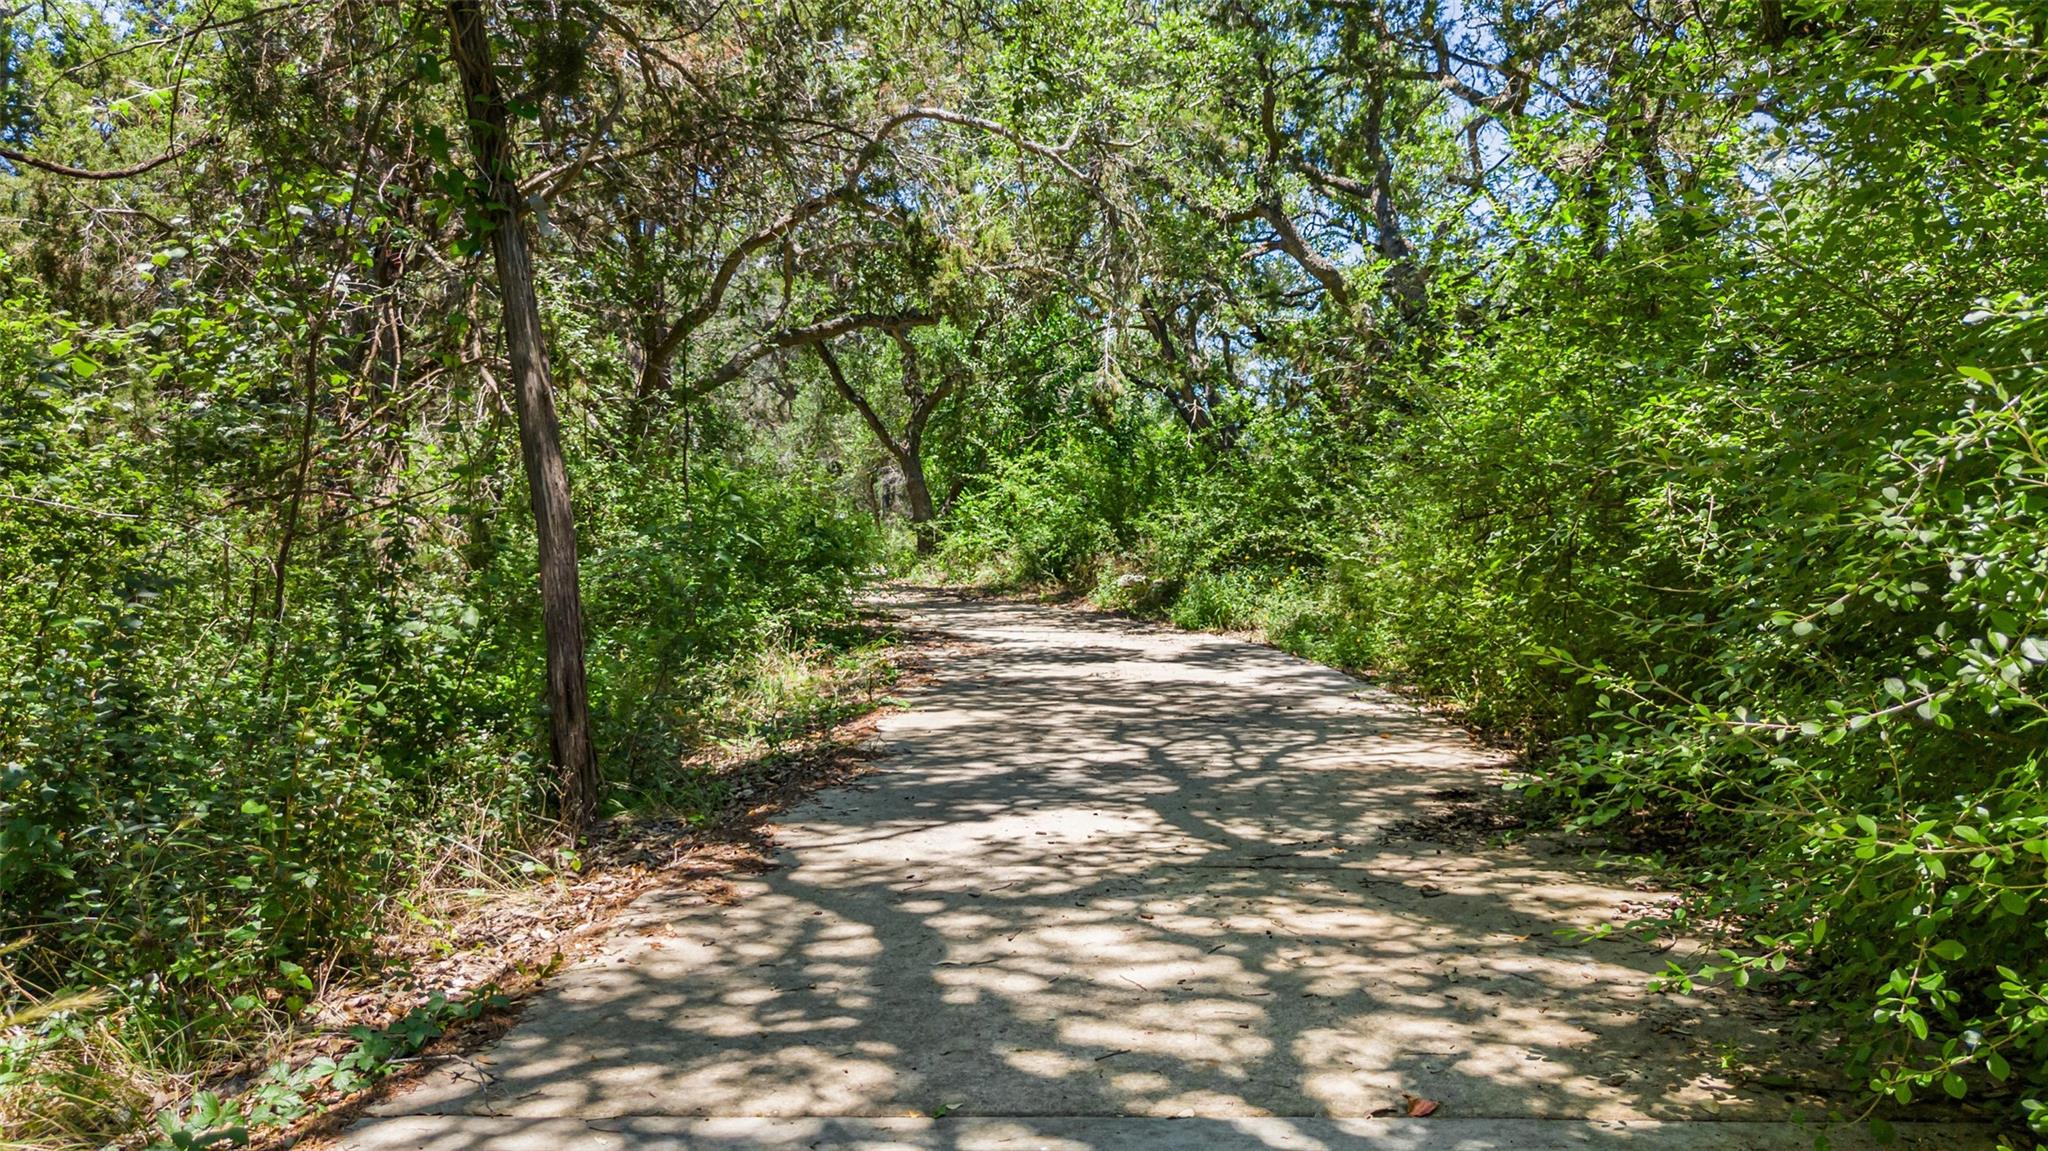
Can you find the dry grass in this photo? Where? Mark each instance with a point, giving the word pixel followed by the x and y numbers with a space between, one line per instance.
pixel 56 1090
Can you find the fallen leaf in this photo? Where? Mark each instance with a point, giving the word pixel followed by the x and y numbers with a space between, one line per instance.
pixel 1418 1107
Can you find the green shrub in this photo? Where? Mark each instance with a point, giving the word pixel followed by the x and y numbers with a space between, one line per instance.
pixel 1044 517
pixel 691 576
pixel 213 778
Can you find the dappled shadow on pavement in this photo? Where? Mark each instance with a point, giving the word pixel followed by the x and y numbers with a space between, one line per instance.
pixel 1107 871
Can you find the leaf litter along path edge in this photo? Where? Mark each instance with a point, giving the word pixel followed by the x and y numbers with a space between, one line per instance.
pixel 508 941
pixel 1116 886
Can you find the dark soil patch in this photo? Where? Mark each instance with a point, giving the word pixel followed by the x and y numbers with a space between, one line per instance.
pixel 1459 817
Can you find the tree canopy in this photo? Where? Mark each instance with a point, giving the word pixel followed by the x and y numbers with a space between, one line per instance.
pixel 418 420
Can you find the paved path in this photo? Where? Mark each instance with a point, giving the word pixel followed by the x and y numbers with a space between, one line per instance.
pixel 1117 888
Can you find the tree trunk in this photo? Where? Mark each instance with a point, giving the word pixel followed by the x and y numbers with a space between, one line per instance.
pixel 1404 278
pixel 923 515
pixel 652 384
pixel 907 452
pixel 540 439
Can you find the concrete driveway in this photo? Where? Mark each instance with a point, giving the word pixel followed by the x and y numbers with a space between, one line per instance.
pixel 1118 887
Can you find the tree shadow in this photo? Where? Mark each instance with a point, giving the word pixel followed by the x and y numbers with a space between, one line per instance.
pixel 1109 871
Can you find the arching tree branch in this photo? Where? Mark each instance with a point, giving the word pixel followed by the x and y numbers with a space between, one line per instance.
pixel 847 188
pixel 70 173
pixel 808 335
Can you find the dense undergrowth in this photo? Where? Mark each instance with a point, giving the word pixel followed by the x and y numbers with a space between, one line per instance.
pixel 217 785
pixel 1800 671
pixel 1738 526
pixel 1792 658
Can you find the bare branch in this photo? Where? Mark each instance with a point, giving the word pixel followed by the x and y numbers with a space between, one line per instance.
pixel 1325 270
pixel 847 188
pixel 853 396
pixel 71 173
pixel 808 335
